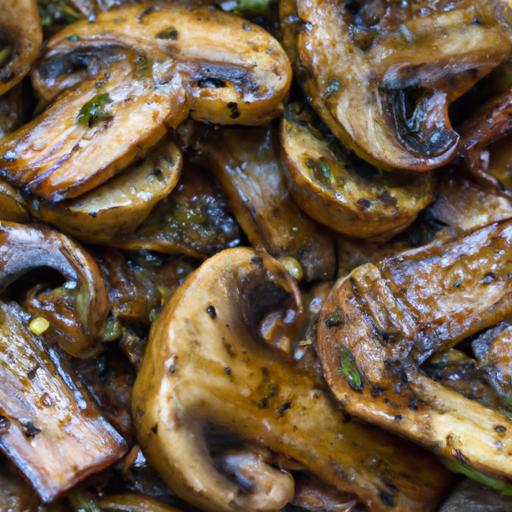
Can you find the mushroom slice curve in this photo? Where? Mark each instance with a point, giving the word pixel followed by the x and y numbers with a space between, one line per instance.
pixel 49 428
pixel 237 72
pixel 343 192
pixel 120 205
pixel 21 36
pixel 91 133
pixel 23 248
pixel 383 75
pixel 247 164
pixel 194 220
pixel 385 319
pixel 205 365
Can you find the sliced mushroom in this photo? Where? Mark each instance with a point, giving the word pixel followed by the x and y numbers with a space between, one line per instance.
pixel 343 192
pixel 386 318
pixel 205 365
pixel 237 72
pixel 246 163
pixel 194 221
pixel 20 39
pixel 12 205
pixel 120 205
pixel 91 133
pixel 49 428
pixel 134 503
pixel 382 75
pixel 84 297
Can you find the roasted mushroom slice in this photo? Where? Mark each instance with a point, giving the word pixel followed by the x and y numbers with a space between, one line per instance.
pixel 20 39
pixel 91 133
pixel 386 318
pixel 246 163
pixel 120 205
pixel 340 190
pixel 205 365
pixel 237 72
pixel 49 428
pixel 194 221
pixel 382 75
pixel 83 297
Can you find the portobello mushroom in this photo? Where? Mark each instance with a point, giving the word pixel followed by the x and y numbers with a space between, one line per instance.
pixel 246 163
pixel 193 221
pixel 204 364
pixel 340 190
pixel 120 205
pixel 236 73
pixel 91 133
pixel 50 429
pixel 21 36
pixel 383 74
pixel 385 319
pixel 76 312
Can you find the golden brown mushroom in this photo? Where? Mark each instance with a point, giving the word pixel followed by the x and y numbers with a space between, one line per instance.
pixel 385 319
pixel 20 39
pixel 340 190
pixel 382 74
pixel 237 72
pixel 204 365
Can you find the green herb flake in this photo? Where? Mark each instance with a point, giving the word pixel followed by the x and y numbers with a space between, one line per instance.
pixel 153 315
pixel 94 110
pixel 335 318
pixel 82 501
pixel 168 33
pixel 325 170
pixel 349 370
pixel 112 330
pixel 73 38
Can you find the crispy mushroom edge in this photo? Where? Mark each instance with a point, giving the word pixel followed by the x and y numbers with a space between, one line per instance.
pixel 203 365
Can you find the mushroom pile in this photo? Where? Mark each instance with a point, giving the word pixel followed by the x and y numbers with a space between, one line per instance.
pixel 255 256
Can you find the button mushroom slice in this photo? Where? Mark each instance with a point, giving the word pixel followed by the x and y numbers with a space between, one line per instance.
pixel 237 72
pixel 204 365
pixel 91 133
pixel 23 248
pixel 49 428
pixel 386 318
pixel 246 163
pixel 382 75
pixel 20 40
pixel 194 220
pixel 340 190
pixel 120 205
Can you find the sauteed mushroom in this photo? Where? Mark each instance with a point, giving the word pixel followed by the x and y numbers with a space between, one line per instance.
pixel 246 163
pixel 342 191
pixel 84 297
pixel 20 39
pixel 382 74
pixel 204 364
pixel 236 72
pixel 386 318
pixel 49 428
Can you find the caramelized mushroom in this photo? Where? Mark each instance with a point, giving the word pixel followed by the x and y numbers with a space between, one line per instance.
pixel 23 248
pixel 237 73
pixel 20 39
pixel 246 163
pixel 49 428
pixel 120 205
pixel 385 319
pixel 382 74
pixel 91 133
pixel 205 365
pixel 343 192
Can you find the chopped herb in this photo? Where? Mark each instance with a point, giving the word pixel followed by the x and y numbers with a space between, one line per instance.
pixel 321 170
pixel 94 110
pixel 5 55
pixel 349 370
pixel 73 38
pixel 293 267
pixel 153 315
pixel 248 6
pixel 39 325
pixel 112 330
pixel 168 33
pixel 335 318
pixel 505 488
pixel 82 501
